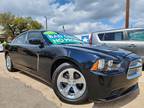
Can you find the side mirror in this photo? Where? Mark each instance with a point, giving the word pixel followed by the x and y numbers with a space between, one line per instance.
pixel 36 42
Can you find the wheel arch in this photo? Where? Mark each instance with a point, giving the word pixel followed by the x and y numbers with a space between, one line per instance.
pixel 62 60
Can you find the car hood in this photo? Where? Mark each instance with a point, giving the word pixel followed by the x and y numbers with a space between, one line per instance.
pixel 103 49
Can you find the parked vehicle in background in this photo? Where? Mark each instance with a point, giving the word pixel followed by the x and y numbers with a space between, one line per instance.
pixel 79 73
pixel 1 48
pixel 130 39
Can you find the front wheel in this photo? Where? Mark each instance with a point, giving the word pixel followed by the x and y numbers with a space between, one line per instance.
pixel 9 64
pixel 70 84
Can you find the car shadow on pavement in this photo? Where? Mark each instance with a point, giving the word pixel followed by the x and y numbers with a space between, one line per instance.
pixel 114 104
pixel 35 78
pixel 117 103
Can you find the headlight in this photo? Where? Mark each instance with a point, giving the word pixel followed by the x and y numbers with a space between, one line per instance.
pixel 110 63
pixel 98 65
pixel 103 65
pixel 112 66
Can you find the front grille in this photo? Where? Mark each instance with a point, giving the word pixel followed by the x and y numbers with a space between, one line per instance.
pixel 135 69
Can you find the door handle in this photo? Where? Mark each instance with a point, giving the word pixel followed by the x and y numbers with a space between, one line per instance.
pixel 103 43
pixel 132 46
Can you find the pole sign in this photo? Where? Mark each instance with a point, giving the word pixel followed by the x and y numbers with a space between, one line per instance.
pixel 85 38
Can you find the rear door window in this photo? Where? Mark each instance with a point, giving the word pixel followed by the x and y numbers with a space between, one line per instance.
pixel 116 36
pixel 137 35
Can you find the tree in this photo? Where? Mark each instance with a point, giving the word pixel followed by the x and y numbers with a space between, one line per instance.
pixel 14 25
pixel 6 20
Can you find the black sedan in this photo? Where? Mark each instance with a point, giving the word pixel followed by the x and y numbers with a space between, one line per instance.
pixel 77 72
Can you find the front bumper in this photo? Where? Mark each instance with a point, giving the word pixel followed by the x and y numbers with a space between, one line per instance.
pixel 109 87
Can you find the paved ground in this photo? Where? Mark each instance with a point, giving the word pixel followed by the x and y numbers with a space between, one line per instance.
pixel 18 90
pixel 15 94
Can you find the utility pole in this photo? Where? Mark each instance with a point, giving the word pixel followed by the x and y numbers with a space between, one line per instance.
pixel 63 28
pixel 46 22
pixel 127 13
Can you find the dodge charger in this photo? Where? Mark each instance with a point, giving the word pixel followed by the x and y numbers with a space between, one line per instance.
pixel 77 72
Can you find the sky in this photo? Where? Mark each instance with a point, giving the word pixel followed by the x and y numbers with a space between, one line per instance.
pixel 77 16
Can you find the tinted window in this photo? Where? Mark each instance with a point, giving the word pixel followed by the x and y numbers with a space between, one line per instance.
pixel 20 39
pixel 35 35
pixel 136 35
pixel 101 36
pixel 117 36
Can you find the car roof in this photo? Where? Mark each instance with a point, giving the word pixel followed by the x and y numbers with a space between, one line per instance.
pixel 37 30
pixel 45 30
pixel 119 30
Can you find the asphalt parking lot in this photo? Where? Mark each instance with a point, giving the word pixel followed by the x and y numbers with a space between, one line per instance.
pixel 18 90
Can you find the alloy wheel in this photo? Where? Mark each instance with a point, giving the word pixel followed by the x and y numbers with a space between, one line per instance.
pixel 71 83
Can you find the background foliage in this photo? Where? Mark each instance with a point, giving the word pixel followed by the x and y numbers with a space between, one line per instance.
pixel 14 25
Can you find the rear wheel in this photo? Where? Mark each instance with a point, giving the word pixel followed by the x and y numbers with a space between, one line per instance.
pixel 70 84
pixel 9 64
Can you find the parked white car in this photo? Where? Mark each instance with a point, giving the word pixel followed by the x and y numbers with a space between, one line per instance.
pixel 129 39
pixel 1 47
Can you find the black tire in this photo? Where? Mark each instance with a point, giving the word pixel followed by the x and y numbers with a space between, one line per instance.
pixel 81 100
pixel 10 68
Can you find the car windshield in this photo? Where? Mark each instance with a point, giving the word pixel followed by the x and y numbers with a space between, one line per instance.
pixel 136 35
pixel 60 38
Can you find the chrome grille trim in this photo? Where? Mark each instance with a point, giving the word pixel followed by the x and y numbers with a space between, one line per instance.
pixel 135 69
pixel 136 66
